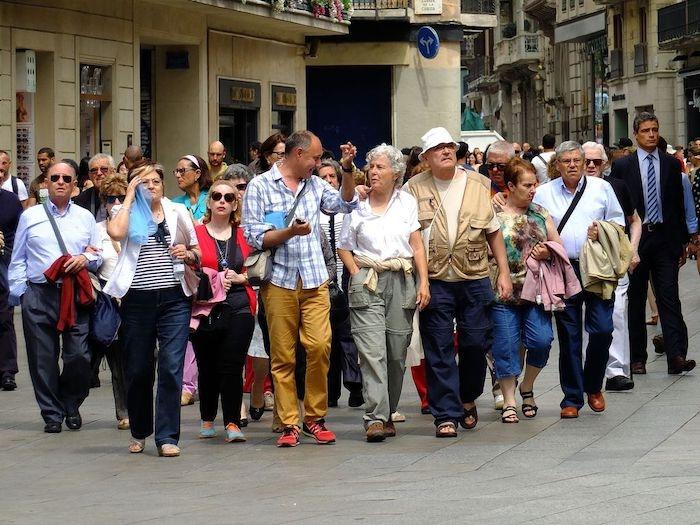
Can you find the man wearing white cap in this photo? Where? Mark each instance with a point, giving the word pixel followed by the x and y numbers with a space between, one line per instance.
pixel 458 225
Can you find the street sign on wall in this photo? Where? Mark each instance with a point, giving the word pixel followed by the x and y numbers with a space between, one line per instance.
pixel 427 7
pixel 428 42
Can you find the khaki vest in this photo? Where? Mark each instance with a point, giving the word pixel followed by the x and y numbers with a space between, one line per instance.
pixel 469 255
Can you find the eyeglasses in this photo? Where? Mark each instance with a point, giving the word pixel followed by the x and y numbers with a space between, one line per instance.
pixel 242 186
pixel 279 154
pixel 154 182
pixel 571 161
pixel 597 162
pixel 228 197
pixel 66 178
pixel 181 171
pixel 111 199
pixel 102 169
pixel 496 165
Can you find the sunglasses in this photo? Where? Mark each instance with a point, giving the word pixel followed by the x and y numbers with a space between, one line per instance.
pixel 496 165
pixel 242 186
pixel 518 152
pixel 597 162
pixel 111 199
pixel 228 197
pixel 66 178
pixel 101 169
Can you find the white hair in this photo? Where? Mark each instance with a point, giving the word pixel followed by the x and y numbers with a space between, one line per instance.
pixel 595 146
pixel 100 156
pixel 502 147
pixel 566 146
pixel 398 165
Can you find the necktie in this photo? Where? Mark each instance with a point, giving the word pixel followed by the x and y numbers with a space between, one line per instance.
pixel 652 195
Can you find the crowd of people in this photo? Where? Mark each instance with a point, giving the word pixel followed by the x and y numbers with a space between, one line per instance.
pixel 301 272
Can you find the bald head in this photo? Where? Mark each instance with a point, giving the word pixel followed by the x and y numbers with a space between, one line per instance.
pixel 132 155
pixel 216 153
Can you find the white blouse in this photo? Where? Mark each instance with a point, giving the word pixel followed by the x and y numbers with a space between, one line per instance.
pixel 384 236
pixel 109 253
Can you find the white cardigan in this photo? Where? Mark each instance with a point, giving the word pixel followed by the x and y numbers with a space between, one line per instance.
pixel 176 216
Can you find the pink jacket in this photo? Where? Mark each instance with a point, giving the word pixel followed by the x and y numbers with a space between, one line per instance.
pixel 550 282
pixel 202 309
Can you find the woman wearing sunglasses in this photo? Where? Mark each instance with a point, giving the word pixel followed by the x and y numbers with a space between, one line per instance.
pixel 222 339
pixel 193 178
pixel 112 193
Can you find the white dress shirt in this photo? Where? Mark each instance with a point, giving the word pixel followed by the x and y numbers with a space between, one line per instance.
pixel 36 247
pixel 385 236
pixel 643 169
pixel 598 203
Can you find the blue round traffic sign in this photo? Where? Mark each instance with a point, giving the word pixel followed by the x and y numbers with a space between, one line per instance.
pixel 428 42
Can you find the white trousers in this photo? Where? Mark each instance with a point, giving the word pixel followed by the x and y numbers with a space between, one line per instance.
pixel 619 360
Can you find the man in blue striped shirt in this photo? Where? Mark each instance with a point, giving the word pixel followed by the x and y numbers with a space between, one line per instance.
pixel 296 298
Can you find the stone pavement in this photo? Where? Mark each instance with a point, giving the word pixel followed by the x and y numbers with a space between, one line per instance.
pixel 638 462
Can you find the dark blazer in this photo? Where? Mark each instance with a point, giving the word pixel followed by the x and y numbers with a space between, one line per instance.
pixel 90 200
pixel 627 169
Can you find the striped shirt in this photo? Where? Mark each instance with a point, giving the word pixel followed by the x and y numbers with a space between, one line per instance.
pixel 301 256
pixel 154 269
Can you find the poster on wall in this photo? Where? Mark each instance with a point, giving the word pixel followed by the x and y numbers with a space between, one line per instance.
pixel 24 113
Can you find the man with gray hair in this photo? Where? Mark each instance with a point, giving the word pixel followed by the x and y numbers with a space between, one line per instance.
pixel 575 201
pixel 99 166
pixel 498 154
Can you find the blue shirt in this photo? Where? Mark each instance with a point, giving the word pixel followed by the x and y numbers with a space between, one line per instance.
pixel 199 208
pixel 643 169
pixel 691 219
pixel 598 203
pixel 301 256
pixel 36 247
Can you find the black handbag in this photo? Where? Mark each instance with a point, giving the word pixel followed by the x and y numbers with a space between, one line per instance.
pixel 104 319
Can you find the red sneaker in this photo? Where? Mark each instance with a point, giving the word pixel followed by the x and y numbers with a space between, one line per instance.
pixel 289 437
pixel 318 431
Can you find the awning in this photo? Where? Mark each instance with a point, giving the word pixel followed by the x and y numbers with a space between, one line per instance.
pixel 580 29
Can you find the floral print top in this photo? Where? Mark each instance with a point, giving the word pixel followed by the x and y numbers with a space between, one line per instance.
pixel 521 232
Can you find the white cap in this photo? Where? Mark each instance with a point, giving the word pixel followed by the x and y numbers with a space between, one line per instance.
pixel 435 137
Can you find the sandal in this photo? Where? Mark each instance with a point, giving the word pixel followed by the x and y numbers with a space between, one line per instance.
pixel 136 446
pixel 469 413
pixel 529 410
pixel 446 429
pixel 509 414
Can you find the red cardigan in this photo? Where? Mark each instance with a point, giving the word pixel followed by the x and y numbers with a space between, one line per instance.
pixel 210 257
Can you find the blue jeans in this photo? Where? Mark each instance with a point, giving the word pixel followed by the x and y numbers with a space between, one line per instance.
pixel 576 377
pixel 526 324
pixel 449 385
pixel 150 316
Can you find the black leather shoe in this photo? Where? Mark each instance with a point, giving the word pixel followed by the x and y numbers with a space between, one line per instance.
pixel 425 410
pixel 74 421
pixel 356 400
pixel 678 365
pixel 618 384
pixel 658 342
pixel 8 383
pixel 332 403
pixel 52 427
pixel 256 413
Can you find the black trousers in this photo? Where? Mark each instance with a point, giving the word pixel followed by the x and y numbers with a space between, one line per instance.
pixel 58 392
pixel 221 352
pixel 8 339
pixel 343 359
pixel 659 259
pixel 115 360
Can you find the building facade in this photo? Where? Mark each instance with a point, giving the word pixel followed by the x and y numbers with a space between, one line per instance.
pixel 88 76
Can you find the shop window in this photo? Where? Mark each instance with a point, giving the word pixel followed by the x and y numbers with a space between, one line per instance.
pixel 239 109
pixel 95 109
pixel 284 106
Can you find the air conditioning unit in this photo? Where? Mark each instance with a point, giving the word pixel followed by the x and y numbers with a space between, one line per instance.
pixel 25 65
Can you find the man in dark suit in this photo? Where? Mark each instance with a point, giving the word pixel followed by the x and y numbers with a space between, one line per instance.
pixel 654 180
pixel 99 167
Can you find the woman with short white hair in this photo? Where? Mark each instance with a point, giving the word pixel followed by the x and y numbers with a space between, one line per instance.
pixel 381 246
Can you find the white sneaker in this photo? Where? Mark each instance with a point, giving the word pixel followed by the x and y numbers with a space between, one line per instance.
pixel 269 400
pixel 398 417
pixel 498 402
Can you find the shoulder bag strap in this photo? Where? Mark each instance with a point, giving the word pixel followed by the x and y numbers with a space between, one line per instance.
pixel 573 205
pixel 61 244
pixel 290 215
pixel 15 186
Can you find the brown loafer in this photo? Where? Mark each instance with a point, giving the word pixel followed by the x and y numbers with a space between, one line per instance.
pixel 375 432
pixel 638 368
pixel 596 402
pixel 679 364
pixel 569 413
pixel 389 429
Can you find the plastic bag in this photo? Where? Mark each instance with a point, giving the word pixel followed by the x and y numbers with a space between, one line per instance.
pixel 141 223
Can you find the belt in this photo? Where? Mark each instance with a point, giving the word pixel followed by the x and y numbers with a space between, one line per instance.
pixel 47 284
pixel 650 227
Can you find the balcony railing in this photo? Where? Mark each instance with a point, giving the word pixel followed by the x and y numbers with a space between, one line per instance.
pixel 542 10
pixel 522 48
pixel 679 21
pixel 616 63
pixel 381 4
pixel 479 7
pixel 640 58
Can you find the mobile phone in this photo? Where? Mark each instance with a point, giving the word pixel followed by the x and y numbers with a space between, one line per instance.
pixel 299 221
